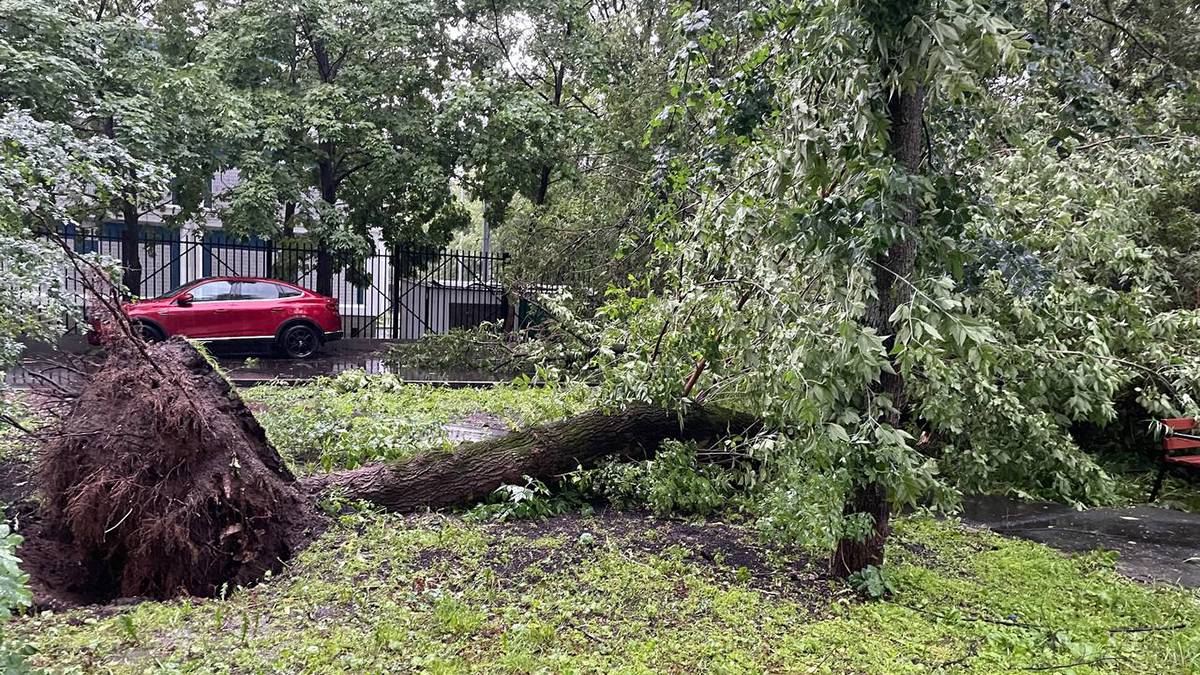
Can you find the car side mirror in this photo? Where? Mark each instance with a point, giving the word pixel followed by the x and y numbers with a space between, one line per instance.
pixel 184 300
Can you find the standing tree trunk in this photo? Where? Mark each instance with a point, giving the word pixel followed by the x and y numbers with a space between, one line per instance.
pixel 893 273
pixel 131 260
pixel 541 191
pixel 289 220
pixel 543 186
pixel 329 195
pixel 327 165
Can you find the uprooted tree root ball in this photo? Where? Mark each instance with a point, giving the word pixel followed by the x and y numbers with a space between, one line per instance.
pixel 162 478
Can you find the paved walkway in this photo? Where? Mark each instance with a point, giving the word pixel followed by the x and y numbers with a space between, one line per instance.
pixel 251 368
pixel 1154 544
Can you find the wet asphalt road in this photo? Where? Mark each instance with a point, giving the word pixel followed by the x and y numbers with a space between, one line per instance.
pixel 1154 544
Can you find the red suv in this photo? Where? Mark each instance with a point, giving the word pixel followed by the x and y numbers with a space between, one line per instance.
pixel 242 311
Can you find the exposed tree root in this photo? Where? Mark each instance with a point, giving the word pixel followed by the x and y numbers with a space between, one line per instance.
pixel 161 474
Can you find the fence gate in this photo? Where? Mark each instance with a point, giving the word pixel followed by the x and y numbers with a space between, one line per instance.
pixel 401 294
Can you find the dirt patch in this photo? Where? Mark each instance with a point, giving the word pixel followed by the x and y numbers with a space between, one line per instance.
pixel 159 483
pixel 521 552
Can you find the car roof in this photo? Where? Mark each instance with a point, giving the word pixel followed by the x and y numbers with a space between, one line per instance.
pixel 227 278
pixel 262 279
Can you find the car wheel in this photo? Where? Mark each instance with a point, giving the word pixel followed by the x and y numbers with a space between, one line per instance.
pixel 300 342
pixel 149 332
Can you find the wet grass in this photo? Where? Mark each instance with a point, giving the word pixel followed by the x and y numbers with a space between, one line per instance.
pixel 626 593
pixel 353 419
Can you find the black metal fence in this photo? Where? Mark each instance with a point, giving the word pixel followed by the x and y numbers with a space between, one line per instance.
pixel 399 293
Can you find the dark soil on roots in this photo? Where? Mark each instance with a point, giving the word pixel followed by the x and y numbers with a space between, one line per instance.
pixel 160 483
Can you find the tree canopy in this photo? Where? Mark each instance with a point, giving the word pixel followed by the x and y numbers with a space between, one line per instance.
pixel 921 320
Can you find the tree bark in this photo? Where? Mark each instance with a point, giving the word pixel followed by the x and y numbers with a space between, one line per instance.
pixel 893 273
pixel 289 219
pixel 328 184
pixel 131 261
pixel 473 471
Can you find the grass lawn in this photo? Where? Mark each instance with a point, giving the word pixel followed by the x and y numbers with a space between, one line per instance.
pixel 619 592
pixel 611 591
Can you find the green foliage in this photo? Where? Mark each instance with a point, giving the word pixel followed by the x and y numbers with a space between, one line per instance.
pixel 57 165
pixel 872 582
pixel 13 595
pixel 382 592
pixel 486 349
pixel 534 499
pixel 355 418
pixel 334 120
pixel 551 121
pixel 1047 199
pixel 678 480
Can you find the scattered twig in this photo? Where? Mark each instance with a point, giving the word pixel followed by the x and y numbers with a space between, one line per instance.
pixel 1133 37
pixel 1146 629
pixel 16 424
pixel 1061 666
pixel 583 630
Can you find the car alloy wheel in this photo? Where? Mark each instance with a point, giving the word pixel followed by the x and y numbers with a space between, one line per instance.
pixel 300 342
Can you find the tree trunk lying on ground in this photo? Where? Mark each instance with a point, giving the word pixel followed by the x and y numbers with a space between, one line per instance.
pixel 474 470
pixel 161 478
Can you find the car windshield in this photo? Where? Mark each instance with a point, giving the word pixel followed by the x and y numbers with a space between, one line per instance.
pixel 173 292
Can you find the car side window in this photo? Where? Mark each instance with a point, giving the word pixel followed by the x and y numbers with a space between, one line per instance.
pixel 256 290
pixel 286 292
pixel 212 291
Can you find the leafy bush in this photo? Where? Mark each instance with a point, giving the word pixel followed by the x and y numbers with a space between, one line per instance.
pixel 872 582
pixel 486 348
pixel 542 351
pixel 534 499
pixel 13 595
pixel 676 480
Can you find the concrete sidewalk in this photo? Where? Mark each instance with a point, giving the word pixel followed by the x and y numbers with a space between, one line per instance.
pixel 1154 544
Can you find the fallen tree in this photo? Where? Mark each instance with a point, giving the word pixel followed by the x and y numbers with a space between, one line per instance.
pixel 161 479
pixel 474 470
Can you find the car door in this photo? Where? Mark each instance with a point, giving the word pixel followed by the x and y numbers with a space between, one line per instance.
pixel 256 310
pixel 211 311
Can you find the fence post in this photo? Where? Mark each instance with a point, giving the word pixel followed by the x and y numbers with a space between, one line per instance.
pixel 395 292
